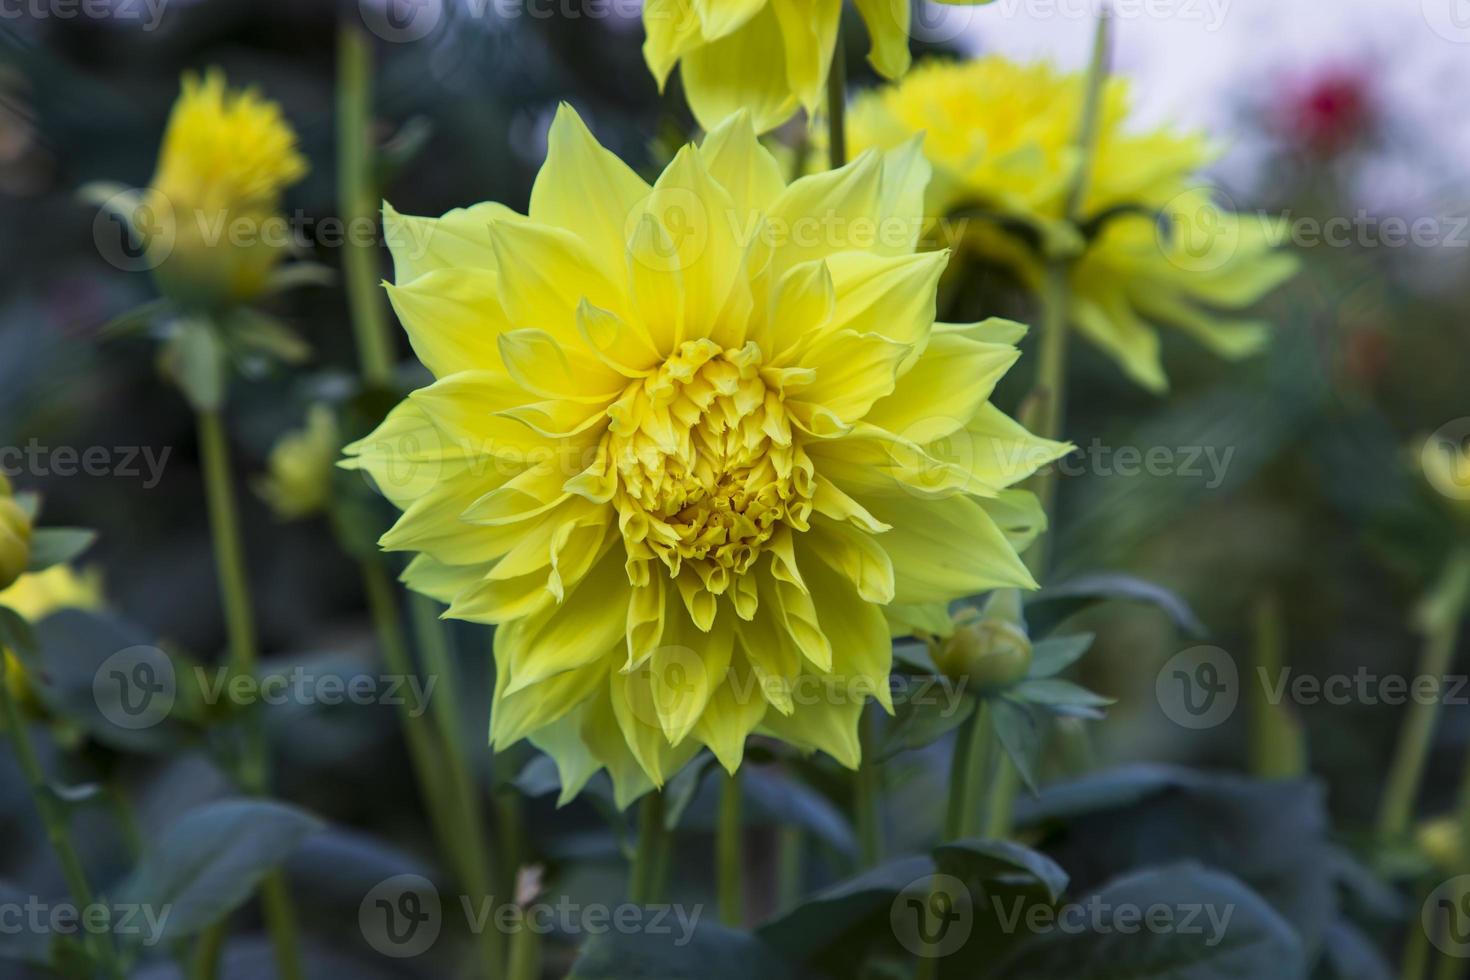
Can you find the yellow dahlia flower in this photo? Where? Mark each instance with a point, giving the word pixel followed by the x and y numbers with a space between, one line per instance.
pixel 1002 140
pixel 689 443
pixel 211 215
pixel 766 56
pixel 37 595
pixel 298 478
pixel 15 536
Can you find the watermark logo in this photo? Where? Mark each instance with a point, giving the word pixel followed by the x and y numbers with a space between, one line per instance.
pixel 401 21
pixel 1445 917
pixel 933 915
pixel 401 916
pixel 1199 687
pixel 135 688
pixel 1445 459
pixel 1450 19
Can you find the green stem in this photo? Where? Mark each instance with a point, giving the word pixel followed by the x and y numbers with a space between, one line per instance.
pixel 1001 805
pixel 837 105
pixel 645 885
pixel 358 202
pixel 970 777
pixel 728 839
pixel 229 553
pixel 204 963
pixel 1445 608
pixel 1416 948
pixel 865 796
pixel 1276 748
pixel 525 954
pixel 54 819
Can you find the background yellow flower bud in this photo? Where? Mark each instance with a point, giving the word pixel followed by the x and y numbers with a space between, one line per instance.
pixel 15 540
pixel 298 479
pixel 211 217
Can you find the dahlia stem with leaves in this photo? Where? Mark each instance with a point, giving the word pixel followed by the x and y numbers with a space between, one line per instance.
pixel 254 761
pixel 99 945
pixel 446 779
pixel 990 785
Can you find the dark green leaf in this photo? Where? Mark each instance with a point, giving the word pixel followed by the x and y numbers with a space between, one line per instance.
pixel 253 333
pixel 209 862
pixel 708 952
pixel 1055 654
pixel 1053 691
pixel 845 908
pixel 1016 729
pixel 1047 608
pixel 1218 929
pixel 296 274
pixel 16 634
pixel 924 718
pixel 991 860
pixel 58 545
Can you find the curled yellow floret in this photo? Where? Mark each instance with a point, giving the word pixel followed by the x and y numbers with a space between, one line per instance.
pixel 695 448
pixel 1160 249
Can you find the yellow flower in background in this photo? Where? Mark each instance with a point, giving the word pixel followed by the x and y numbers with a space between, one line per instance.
pixel 695 448
pixel 769 57
pixel 15 536
pixel 1001 138
pixel 212 215
pixel 298 478
pixel 37 595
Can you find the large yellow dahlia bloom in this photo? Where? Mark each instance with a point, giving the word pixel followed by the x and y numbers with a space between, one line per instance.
pixel 766 56
pixel 1002 140
pixel 689 443
pixel 212 216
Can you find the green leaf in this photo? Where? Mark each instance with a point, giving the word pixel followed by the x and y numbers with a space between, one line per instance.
pixel 58 545
pixel 1055 654
pixel 140 319
pixel 849 908
pixel 680 791
pixel 209 862
pixel 16 634
pixel 1054 691
pixel 194 359
pixel 1047 608
pixel 1115 938
pixel 296 274
pixel 682 952
pixel 255 334
pixel 999 860
pixel 1016 729
pixel 922 720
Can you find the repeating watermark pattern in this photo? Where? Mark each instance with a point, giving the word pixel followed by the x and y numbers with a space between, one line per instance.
pixel 403 916
pixel 137 688
pixel 1198 687
pixel 1209 14
pixel 1201 687
pixel 143 463
pixel 147 14
pixel 1445 917
pixel 1450 19
pixel 138 922
pixel 934 916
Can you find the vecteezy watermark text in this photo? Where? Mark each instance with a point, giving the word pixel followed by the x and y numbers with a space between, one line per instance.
pixel 125 462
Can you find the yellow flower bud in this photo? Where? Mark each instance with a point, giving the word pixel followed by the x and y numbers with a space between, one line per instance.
pixel 298 479
pixel 211 218
pixel 15 540
pixel 988 651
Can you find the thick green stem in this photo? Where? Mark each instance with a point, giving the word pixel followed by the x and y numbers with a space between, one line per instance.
pixel 253 765
pixel 730 870
pixel 866 795
pixel 204 962
pixel 1443 612
pixel 971 776
pixel 837 106
pixel 1416 947
pixel 53 817
pixel 645 884
pixel 358 202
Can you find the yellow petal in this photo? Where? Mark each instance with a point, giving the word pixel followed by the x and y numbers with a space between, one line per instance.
pixel 738 71
pixel 583 187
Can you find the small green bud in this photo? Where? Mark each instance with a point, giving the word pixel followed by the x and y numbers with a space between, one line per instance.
pixel 988 650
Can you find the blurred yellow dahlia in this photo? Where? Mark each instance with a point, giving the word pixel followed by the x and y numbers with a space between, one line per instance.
pixel 689 443
pixel 1160 249
pixel 37 595
pixel 211 216
pixel 298 478
pixel 766 56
